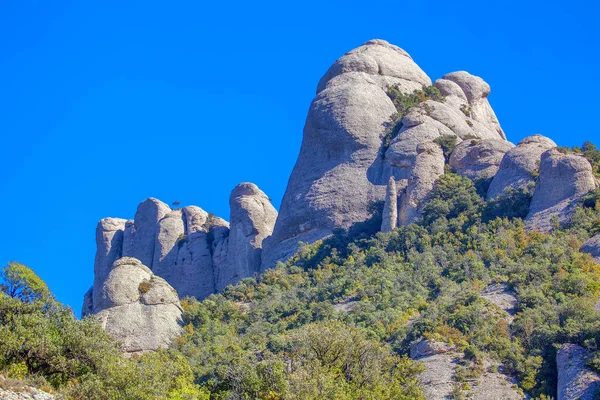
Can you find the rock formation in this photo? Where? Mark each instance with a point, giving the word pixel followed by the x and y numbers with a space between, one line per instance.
pixel 109 247
pixel 575 380
pixel 139 309
pixel 341 170
pixel 252 220
pixel 479 159
pixel 390 208
pixel 592 247
pixel 563 180
pixel 519 165
pixel 428 167
pixel 195 252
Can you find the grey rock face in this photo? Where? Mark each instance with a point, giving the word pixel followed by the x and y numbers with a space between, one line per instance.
pixel 140 236
pixel 563 180
pixel 390 208
pixel 519 164
pixel 428 167
pixel 339 171
pixel 479 159
pixel 140 310
pixel 252 220
pixel 193 251
pixel 109 245
pixel 465 114
pixel 438 379
pixel 575 380
pixel 592 247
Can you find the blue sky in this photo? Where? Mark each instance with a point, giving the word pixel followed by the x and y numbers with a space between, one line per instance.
pixel 105 105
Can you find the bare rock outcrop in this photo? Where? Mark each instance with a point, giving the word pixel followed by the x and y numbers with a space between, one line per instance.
pixel 109 248
pixel 438 379
pixel 479 159
pixel 519 165
pixel 465 114
pixel 575 380
pixel 592 247
pixel 340 171
pixel 139 309
pixel 390 208
pixel 140 234
pixel 196 252
pixel 252 219
pixel 563 180
pixel 428 167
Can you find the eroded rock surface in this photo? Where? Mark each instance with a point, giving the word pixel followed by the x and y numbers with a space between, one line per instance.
pixel 252 220
pixel 563 180
pixel 479 159
pixel 575 380
pixel 390 208
pixel 428 167
pixel 109 248
pixel 340 171
pixel 139 309
pixel 519 165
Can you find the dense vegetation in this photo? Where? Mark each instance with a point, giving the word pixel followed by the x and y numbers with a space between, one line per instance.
pixel 336 321
pixel 42 342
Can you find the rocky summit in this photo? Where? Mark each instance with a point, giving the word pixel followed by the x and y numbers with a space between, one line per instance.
pixel 378 137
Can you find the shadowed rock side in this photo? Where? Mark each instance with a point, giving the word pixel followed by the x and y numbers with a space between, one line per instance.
pixel 563 180
pixel 575 380
pixel 196 253
pixel 139 309
pixel 592 247
pixel 519 165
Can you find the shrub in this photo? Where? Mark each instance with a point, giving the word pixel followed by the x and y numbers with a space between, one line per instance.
pixel 404 102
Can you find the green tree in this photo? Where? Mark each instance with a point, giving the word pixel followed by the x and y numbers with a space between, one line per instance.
pixel 20 282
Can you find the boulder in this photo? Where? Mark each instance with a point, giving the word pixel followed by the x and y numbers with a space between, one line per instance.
pixel 340 171
pixel 479 159
pixel 140 235
pixel 428 167
pixel 109 247
pixel 575 380
pixel 563 180
pixel 592 247
pixel 390 208
pixel 519 165
pixel 476 92
pixel 252 219
pixel 139 309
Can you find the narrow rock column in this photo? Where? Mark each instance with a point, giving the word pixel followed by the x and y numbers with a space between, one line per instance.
pixel 390 209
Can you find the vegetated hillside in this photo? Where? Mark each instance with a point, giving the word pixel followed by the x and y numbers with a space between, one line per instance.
pixel 336 321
